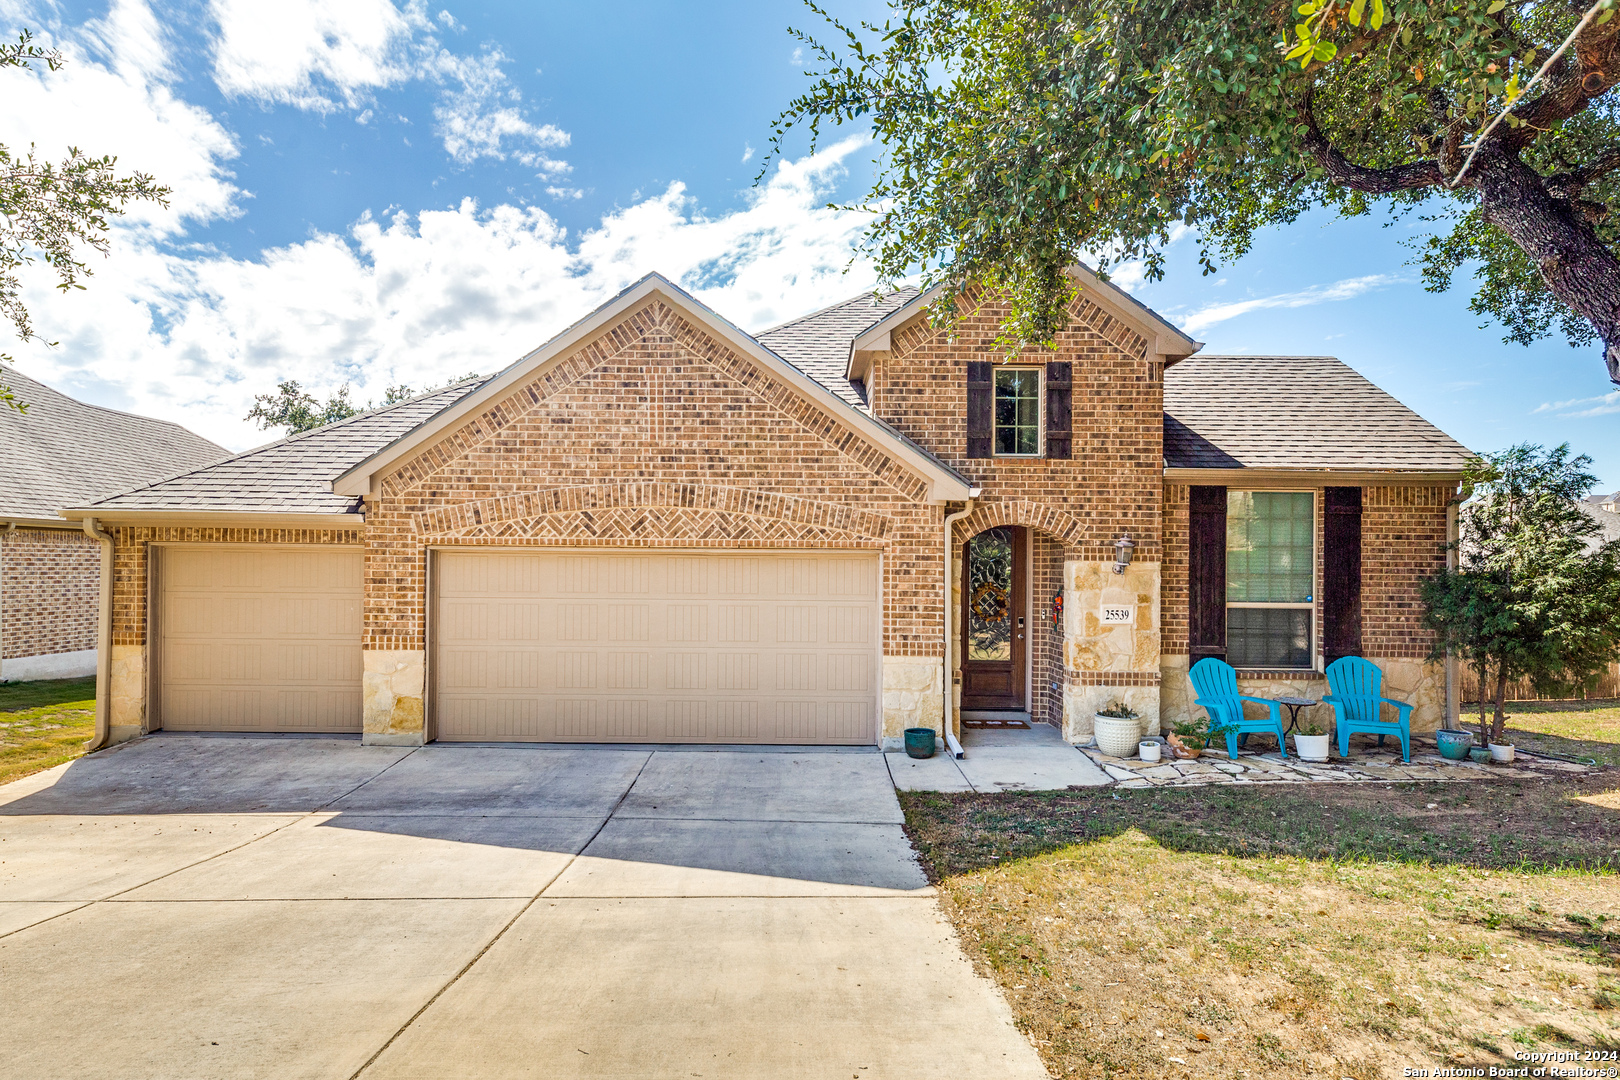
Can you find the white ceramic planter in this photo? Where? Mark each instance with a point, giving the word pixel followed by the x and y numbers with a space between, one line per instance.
pixel 1311 747
pixel 1117 737
pixel 1147 750
pixel 1501 753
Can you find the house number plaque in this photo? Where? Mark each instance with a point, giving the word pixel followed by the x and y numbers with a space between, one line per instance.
pixel 1118 615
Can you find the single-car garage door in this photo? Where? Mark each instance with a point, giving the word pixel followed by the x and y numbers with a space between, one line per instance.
pixel 587 647
pixel 259 638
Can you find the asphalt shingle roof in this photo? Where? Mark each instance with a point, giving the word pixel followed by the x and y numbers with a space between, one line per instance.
pixel 293 475
pixel 1294 412
pixel 818 343
pixel 63 453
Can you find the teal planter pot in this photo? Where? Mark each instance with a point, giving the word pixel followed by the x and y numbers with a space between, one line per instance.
pixel 1454 744
pixel 1479 754
pixel 920 742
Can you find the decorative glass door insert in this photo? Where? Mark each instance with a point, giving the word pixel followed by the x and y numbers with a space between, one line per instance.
pixel 993 620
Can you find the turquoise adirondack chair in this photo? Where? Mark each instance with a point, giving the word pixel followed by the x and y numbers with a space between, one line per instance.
pixel 1216 684
pixel 1358 697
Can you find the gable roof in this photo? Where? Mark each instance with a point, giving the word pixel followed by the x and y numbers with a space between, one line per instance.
pixel 1295 413
pixel 1164 339
pixel 945 483
pixel 818 343
pixel 62 452
pixel 291 476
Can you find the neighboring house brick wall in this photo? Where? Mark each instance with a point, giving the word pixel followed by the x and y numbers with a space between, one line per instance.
pixel 49 593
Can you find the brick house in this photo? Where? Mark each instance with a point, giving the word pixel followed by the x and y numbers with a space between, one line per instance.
pixel 656 527
pixel 62 452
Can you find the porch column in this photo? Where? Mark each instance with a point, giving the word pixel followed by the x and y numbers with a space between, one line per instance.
pixel 1111 643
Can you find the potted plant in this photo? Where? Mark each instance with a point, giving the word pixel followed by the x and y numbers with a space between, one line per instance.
pixel 1189 738
pixel 1311 741
pixel 1117 728
pixel 1453 744
pixel 1148 749
pixel 1501 753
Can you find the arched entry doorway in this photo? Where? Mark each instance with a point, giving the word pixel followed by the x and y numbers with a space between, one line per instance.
pixel 995 619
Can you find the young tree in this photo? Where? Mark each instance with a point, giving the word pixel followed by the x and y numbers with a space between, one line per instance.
pixel 1022 134
pixel 1536 594
pixel 48 211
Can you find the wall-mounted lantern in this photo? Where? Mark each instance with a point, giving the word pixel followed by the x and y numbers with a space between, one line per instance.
pixel 1124 547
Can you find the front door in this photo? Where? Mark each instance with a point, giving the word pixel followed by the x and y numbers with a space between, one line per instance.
pixel 993 620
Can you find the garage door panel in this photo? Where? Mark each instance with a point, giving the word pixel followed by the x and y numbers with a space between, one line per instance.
pixel 259 639
pixel 683 647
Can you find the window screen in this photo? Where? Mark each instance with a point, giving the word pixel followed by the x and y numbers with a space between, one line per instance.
pixel 1270 578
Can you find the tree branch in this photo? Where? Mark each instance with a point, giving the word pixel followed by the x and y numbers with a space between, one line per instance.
pixel 1567 185
pixel 1341 170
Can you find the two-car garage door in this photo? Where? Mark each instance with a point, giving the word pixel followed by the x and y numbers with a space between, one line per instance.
pixel 734 647
pixel 744 647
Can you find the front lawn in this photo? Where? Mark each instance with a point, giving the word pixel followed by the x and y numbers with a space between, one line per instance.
pixel 44 723
pixel 1282 931
pixel 1583 729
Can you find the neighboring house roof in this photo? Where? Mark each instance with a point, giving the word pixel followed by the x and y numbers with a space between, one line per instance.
pixel 291 476
pixel 818 343
pixel 944 482
pixel 1294 413
pixel 63 452
pixel 1608 525
pixel 1610 503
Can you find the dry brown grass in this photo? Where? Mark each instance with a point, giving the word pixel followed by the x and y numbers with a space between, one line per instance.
pixel 1125 956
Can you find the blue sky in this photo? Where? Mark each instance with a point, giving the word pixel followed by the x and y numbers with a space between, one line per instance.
pixel 368 194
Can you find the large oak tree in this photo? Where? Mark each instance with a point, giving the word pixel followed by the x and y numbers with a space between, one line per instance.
pixel 1022 134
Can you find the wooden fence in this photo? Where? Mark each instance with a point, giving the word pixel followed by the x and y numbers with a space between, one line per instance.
pixel 1607 686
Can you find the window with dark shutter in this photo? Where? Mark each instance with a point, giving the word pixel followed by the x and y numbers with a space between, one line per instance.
pixel 980 408
pixel 1059 408
pixel 1341 573
pixel 1206 573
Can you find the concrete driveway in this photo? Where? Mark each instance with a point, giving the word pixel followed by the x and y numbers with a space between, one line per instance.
pixel 191 906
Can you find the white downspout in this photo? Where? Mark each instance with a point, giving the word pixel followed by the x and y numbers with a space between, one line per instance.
pixel 951 742
pixel 1453 560
pixel 103 639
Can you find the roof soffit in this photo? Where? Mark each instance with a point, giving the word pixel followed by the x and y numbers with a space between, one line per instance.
pixel 362 479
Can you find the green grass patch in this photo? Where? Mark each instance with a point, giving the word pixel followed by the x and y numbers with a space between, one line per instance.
pixel 1578 729
pixel 44 723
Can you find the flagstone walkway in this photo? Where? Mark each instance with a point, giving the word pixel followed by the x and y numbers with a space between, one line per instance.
pixel 1367 762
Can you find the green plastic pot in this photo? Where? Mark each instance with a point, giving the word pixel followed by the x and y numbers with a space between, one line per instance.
pixel 1479 754
pixel 920 742
pixel 1454 745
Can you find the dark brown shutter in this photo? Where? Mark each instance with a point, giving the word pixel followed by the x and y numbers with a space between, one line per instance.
pixel 1059 410
pixel 1341 573
pixel 980 408
pixel 1206 573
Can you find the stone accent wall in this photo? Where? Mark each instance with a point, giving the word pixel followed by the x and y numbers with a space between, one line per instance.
pixel 912 697
pixel 394 689
pixel 1108 663
pixel 50 592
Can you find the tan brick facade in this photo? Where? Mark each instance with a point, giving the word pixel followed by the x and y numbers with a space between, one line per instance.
pixel 49 598
pixel 1403 540
pixel 657 431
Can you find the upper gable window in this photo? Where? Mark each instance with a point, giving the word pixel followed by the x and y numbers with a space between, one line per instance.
pixel 1018 412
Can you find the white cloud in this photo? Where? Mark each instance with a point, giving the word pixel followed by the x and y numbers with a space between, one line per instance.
pixel 320 56
pixel 748 152
pixel 1580 408
pixel 1349 288
pixel 193 335
pixel 307 53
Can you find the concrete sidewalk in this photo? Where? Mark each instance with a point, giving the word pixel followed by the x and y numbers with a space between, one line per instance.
pixel 231 907
pixel 1007 759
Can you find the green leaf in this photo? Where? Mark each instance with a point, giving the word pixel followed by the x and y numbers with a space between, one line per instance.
pixel 1326 51
pixel 1496 5
pixel 1608 13
pixel 1299 50
pixel 1357 7
pixel 1377 19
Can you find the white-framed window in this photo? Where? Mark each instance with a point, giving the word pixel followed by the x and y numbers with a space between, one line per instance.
pixel 1271 579
pixel 1018 412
